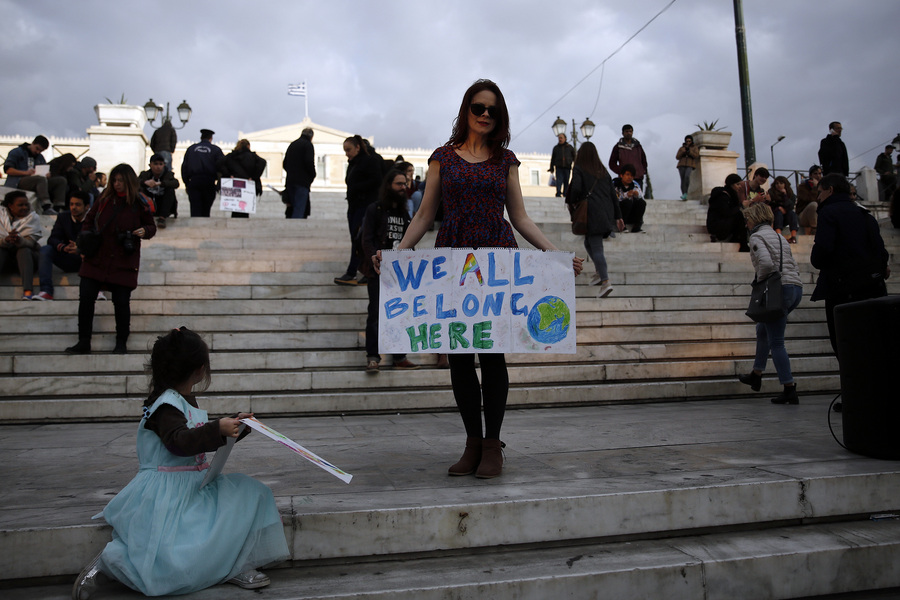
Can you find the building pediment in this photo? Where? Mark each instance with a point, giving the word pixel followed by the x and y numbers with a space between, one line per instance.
pixel 288 133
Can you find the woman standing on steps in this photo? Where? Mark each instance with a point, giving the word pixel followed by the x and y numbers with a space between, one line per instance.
pixel 769 252
pixel 121 220
pixel 591 182
pixel 474 176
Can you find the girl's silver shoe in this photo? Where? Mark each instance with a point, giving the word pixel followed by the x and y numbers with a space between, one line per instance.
pixel 90 578
pixel 250 580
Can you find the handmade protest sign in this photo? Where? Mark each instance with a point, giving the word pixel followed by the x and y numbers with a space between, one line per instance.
pixel 316 460
pixel 237 195
pixel 463 300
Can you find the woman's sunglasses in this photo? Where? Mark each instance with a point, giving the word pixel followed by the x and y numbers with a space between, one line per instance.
pixel 478 109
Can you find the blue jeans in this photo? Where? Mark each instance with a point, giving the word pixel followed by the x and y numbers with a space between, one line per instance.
pixel 299 196
pixel 770 337
pixel 790 217
pixel 562 180
pixel 594 246
pixel 685 175
pixel 69 263
pixel 414 202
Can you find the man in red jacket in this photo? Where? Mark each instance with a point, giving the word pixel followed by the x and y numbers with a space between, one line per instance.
pixel 628 151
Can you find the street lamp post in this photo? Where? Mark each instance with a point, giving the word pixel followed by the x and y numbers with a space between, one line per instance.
pixel 152 110
pixel 772 150
pixel 587 130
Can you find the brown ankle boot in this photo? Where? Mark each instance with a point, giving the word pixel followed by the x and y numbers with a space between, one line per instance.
pixel 470 458
pixel 491 459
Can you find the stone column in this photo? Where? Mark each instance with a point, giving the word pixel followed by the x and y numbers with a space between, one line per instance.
pixel 867 184
pixel 119 137
pixel 716 163
pixel 715 166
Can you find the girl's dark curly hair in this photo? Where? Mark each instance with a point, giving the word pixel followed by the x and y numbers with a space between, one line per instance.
pixel 175 356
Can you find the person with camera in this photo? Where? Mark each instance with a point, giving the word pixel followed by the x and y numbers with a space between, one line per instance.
pixel 688 157
pixel 117 221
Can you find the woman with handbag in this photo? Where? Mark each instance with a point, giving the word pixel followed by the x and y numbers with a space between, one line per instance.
pixel 120 220
pixel 770 253
pixel 592 185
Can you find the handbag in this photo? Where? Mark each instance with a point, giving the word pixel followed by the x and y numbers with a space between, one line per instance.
pixel 578 213
pixel 88 243
pixel 579 216
pixel 766 296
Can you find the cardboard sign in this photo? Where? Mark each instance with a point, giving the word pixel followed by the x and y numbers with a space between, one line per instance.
pixel 238 195
pixel 462 300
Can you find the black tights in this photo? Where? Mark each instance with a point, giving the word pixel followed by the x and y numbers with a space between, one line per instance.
pixel 469 393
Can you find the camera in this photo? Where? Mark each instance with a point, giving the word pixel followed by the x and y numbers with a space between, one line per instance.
pixel 127 240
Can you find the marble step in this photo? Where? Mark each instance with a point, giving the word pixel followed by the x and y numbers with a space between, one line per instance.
pixel 309 336
pixel 307 380
pixel 783 562
pixel 397 397
pixel 63 321
pixel 740 287
pixel 605 474
pixel 354 301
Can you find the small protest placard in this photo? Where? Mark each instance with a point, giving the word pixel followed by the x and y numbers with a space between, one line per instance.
pixel 463 300
pixel 311 457
pixel 237 195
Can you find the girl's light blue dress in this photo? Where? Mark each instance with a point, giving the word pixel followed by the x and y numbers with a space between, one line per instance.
pixel 170 536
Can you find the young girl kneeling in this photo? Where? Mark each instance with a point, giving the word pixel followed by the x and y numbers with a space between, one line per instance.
pixel 169 535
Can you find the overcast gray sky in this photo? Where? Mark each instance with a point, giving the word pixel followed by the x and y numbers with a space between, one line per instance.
pixel 396 69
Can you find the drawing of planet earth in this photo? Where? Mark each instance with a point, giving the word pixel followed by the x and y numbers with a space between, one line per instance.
pixel 548 321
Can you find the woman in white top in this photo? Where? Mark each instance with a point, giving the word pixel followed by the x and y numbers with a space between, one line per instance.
pixel 20 231
pixel 770 252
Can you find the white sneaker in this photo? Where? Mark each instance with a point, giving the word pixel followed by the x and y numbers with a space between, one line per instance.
pixel 101 296
pixel 595 280
pixel 605 290
pixel 250 580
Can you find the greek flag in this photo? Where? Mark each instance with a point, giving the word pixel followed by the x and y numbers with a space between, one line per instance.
pixel 297 89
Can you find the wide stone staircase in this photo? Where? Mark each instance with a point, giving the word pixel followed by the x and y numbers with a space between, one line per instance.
pixel 286 342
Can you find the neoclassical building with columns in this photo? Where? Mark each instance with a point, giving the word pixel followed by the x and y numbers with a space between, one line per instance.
pixel 119 137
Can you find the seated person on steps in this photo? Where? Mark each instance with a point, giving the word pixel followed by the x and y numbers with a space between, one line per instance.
pixel 631 198
pixel 20 231
pixel 61 249
pixel 724 219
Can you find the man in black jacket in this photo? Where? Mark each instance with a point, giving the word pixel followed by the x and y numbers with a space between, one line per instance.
pixel 300 165
pixel 200 175
pixel 561 164
pixel 848 251
pixel 833 152
pixel 61 249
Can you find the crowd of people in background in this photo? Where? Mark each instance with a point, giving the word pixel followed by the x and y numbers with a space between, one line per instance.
pixel 617 202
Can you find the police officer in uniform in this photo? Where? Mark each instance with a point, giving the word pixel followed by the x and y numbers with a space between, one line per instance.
pixel 198 171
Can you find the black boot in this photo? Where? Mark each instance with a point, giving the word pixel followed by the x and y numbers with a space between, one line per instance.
pixel 788 396
pixel 123 325
pixel 753 379
pixel 82 347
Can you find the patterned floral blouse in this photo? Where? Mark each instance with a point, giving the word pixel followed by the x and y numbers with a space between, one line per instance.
pixel 474 196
